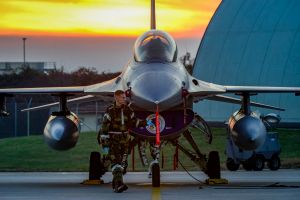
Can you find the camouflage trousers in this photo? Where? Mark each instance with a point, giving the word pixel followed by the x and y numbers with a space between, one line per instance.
pixel 118 153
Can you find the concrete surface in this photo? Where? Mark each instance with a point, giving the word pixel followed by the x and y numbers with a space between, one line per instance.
pixel 282 184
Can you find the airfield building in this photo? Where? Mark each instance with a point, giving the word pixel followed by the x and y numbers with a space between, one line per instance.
pixel 252 42
pixel 16 67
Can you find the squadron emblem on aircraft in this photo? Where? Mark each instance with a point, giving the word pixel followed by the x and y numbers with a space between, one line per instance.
pixel 151 128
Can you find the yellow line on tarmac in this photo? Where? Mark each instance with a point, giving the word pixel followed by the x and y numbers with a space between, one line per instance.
pixel 156 193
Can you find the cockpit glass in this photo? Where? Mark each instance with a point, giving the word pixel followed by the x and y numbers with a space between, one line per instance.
pixel 155 46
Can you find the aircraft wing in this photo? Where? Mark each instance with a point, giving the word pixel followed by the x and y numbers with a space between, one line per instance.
pixel 104 91
pixel 198 88
pixel 233 100
pixel 44 90
pixel 203 90
pixel 104 88
pixel 261 89
pixel 57 103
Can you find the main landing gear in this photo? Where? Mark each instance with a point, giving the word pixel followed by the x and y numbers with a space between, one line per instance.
pixel 210 165
pixel 96 170
pixel 186 144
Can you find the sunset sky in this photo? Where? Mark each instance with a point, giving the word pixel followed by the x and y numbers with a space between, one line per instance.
pixel 46 22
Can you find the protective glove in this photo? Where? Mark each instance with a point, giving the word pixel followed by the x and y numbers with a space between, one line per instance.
pixel 104 139
pixel 105 150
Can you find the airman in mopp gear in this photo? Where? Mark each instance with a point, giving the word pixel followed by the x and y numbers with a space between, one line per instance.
pixel 115 139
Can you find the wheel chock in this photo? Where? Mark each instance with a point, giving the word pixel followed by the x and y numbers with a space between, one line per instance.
pixel 92 182
pixel 216 181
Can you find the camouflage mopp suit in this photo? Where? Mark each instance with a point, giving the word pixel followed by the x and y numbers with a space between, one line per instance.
pixel 115 138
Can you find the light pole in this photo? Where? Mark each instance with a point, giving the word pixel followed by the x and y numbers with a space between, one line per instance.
pixel 28 116
pixel 24 52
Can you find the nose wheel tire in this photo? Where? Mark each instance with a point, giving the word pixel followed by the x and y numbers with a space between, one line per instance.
pixel 155 175
pixel 213 165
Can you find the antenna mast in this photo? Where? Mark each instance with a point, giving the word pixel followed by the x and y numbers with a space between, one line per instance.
pixel 153 19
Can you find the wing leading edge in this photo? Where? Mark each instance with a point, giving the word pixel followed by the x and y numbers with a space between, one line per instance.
pixel 201 90
pixel 104 88
pixel 226 99
pixel 261 89
pixel 43 90
pixel 104 91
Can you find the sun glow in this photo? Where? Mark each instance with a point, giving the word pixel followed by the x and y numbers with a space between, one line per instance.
pixel 102 17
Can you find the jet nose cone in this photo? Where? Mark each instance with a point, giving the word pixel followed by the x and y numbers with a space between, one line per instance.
pixel 253 137
pixel 151 88
pixel 250 133
pixel 255 133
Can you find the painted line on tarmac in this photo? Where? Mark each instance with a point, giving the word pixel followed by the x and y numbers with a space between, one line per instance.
pixel 156 194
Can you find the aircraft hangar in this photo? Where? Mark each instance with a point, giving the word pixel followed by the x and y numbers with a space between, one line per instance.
pixel 252 42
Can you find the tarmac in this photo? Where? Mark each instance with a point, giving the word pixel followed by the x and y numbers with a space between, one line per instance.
pixel 245 185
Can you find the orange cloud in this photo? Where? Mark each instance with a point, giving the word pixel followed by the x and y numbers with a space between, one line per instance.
pixel 102 17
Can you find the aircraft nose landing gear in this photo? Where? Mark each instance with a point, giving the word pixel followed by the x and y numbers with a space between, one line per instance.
pixel 155 170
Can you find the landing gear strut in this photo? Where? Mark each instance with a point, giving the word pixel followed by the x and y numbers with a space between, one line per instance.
pixel 210 166
pixel 154 166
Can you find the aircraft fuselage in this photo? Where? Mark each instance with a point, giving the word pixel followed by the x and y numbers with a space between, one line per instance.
pixel 156 84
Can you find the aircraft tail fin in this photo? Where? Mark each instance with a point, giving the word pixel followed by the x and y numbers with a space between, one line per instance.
pixel 153 18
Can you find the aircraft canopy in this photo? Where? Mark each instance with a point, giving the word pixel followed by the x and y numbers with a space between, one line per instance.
pixel 155 46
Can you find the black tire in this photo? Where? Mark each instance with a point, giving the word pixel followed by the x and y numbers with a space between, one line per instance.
pixel 96 166
pixel 213 165
pixel 248 164
pixel 258 163
pixel 231 165
pixel 274 163
pixel 155 175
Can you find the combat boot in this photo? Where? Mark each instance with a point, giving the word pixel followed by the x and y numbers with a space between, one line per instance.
pixel 120 187
pixel 117 183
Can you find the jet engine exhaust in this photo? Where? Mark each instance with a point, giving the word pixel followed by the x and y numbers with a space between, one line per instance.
pixel 247 131
pixel 62 131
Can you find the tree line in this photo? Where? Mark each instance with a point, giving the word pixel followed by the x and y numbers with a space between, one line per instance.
pixel 55 78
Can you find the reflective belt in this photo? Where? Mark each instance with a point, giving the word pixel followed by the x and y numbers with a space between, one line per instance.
pixel 117 132
pixel 104 136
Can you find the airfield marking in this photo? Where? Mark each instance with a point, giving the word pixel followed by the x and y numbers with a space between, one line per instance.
pixel 156 194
